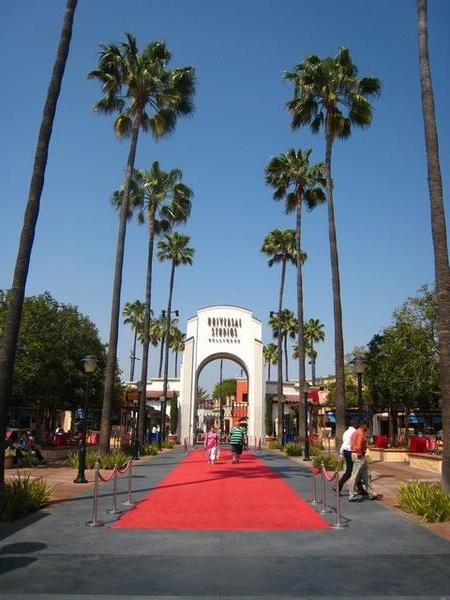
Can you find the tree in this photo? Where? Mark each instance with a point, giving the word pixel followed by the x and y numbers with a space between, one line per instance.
pixel 177 342
pixel 166 202
pixel 227 388
pixel 134 316
pixel 268 415
pixel 174 414
pixel 439 233
pixel 173 247
pixel 329 93
pixel 314 333
pixel 280 246
pixel 270 355
pixel 11 327
pixel 148 96
pixel 296 181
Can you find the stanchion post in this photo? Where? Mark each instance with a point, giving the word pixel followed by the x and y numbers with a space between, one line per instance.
pixel 259 447
pixel 313 499
pixel 324 505
pixel 185 446
pixel 95 522
pixel 114 510
pixel 338 524
pixel 129 501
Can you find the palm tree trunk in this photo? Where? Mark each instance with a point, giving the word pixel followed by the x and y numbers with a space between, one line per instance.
pixel 146 339
pixel 133 358
pixel 12 323
pixel 110 369
pixel 269 370
pixel 337 309
pixel 313 365
pixel 176 364
pixel 301 327
pixel 166 357
pixel 280 357
pixel 439 231
pixel 286 369
pixel 161 354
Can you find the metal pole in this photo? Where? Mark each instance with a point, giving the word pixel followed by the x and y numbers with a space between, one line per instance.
pixel 82 442
pixel 324 508
pixel 114 510
pixel 95 522
pixel 306 457
pixel 313 485
pixel 338 524
pixel 129 501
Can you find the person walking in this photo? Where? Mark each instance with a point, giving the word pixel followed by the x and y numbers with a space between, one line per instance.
pixel 346 453
pixel 212 445
pixel 238 436
pixel 360 471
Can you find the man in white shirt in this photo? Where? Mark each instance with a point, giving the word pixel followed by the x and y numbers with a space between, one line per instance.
pixel 346 452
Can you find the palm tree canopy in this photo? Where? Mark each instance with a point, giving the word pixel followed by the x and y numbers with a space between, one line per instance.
pixel 294 179
pixel 331 86
pixel 177 339
pixel 287 324
pixel 270 353
pixel 174 247
pixel 314 331
pixel 134 314
pixel 280 246
pixel 165 197
pixel 140 87
pixel 135 197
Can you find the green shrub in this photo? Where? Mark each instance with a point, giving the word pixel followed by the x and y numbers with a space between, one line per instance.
pixel 292 449
pixel 425 499
pixel 22 496
pixel 275 445
pixel 315 451
pixel 330 461
pixel 106 461
pixel 167 444
pixel 149 450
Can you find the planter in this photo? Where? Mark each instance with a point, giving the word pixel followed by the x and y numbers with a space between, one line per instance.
pixel 172 438
pixel 270 438
pixel 9 462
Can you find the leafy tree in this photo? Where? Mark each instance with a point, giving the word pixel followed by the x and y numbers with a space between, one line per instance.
pixel 148 96
pixel 298 182
pixel 328 93
pixel 270 355
pixel 268 415
pixel 173 247
pixel 439 232
pixel 11 326
pixel 228 388
pixel 174 414
pixel 280 246
pixel 134 316
pixel 314 333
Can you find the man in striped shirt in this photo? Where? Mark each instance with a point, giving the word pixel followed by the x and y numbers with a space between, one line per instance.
pixel 237 441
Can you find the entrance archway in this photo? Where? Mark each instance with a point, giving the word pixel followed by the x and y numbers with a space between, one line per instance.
pixel 223 332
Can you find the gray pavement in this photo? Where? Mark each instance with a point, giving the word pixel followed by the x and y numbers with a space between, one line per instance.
pixel 53 555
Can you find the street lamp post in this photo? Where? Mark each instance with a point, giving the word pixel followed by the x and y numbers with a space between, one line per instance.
pixel 306 453
pixel 162 400
pixel 279 376
pixel 136 445
pixel 89 364
pixel 166 313
pixel 359 366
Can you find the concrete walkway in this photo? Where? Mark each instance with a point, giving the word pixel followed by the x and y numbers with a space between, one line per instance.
pixel 53 555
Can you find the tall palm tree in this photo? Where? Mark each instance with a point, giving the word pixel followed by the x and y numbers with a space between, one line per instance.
pixel 173 247
pixel 329 93
pixel 14 314
pixel 148 96
pixel 296 181
pixel 134 316
pixel 270 356
pixel 279 245
pixel 166 202
pixel 177 343
pixel 314 333
pixel 439 232
pixel 288 327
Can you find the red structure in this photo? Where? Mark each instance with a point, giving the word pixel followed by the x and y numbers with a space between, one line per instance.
pixel 240 404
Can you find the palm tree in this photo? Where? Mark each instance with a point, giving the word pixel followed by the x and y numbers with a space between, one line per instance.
pixel 288 326
pixel 173 247
pixel 148 96
pixel 270 356
pixel 134 316
pixel 314 333
pixel 279 245
pixel 329 93
pixel 177 343
pixel 166 202
pixel 296 181
pixel 14 314
pixel 439 232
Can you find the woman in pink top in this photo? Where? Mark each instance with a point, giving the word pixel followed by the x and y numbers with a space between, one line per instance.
pixel 212 444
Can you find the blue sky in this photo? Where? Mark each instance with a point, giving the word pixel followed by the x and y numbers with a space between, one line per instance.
pixel 240 51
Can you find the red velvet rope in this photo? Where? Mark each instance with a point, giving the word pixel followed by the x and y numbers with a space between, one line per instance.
pixel 124 468
pixel 315 470
pixel 327 476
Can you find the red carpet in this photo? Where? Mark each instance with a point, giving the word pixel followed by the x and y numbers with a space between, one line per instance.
pixel 197 495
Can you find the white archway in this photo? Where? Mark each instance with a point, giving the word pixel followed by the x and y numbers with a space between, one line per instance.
pixel 223 332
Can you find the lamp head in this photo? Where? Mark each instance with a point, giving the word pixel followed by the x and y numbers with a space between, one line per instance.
pixel 89 364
